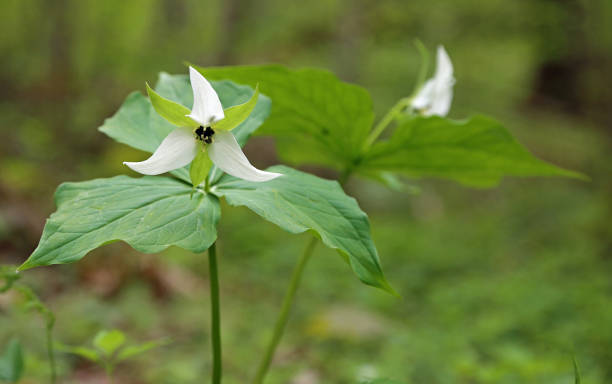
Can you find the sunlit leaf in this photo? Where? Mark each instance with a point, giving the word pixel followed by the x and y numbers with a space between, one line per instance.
pixel 299 202
pixel 109 341
pixel 149 213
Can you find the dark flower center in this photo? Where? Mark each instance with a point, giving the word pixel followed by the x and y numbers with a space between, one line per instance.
pixel 204 134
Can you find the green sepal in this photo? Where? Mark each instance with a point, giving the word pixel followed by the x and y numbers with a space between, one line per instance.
pixel 175 113
pixel 235 115
pixel 200 166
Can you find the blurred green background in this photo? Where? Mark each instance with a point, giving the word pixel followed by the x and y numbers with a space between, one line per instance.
pixel 498 286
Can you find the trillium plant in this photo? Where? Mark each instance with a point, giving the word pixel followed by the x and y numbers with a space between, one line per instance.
pixel 315 119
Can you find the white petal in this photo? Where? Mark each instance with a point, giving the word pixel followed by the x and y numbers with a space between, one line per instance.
pixel 177 150
pixel 423 99
pixel 227 155
pixel 207 107
pixel 442 102
pixel 435 97
pixel 444 67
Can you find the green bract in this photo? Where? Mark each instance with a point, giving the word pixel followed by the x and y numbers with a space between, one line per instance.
pixel 477 152
pixel 298 202
pixel 149 213
pixel 153 213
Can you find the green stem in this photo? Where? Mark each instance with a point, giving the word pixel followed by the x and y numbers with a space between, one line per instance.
pixel 424 66
pixel 51 351
pixel 283 316
pixel 49 318
pixel 386 120
pixel 109 368
pixel 215 314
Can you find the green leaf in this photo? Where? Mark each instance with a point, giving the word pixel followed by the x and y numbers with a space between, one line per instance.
pixel 134 350
pixel 199 168
pixel 109 341
pixel 316 118
pixel 138 125
pixel 84 352
pixel 298 202
pixel 148 213
pixel 175 113
pixel 235 115
pixel 476 152
pixel 12 362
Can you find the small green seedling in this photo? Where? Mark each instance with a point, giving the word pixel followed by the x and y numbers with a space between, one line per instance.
pixel 109 349
pixel 11 362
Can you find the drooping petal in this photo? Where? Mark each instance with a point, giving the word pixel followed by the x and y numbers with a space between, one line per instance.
pixel 423 98
pixel 175 151
pixel 444 66
pixel 227 155
pixel 436 95
pixel 207 107
pixel 442 102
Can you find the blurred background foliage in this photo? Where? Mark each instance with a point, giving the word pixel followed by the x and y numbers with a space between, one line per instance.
pixel 498 286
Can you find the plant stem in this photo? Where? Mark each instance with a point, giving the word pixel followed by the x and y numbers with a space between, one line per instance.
pixel 49 318
pixel 424 66
pixel 215 314
pixel 50 350
pixel 109 368
pixel 386 120
pixel 283 316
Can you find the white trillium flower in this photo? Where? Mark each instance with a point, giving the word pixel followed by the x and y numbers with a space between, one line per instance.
pixel 435 96
pixel 204 133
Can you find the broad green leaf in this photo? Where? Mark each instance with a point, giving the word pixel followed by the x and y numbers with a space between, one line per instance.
pixel 380 381
pixel 138 125
pixel 12 362
pixel 84 352
pixel 299 202
pixel 199 168
pixel 175 113
pixel 316 118
pixel 134 350
pixel 148 213
pixel 109 341
pixel 477 152
pixel 235 115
